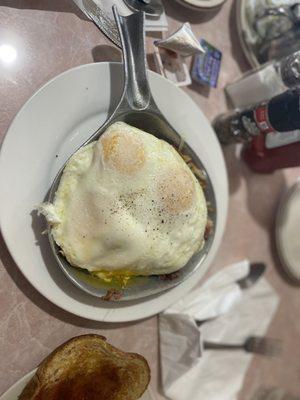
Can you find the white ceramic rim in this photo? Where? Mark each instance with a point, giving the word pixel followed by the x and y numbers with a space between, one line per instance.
pixel 15 390
pixel 278 239
pixel 201 4
pixel 150 306
pixel 241 27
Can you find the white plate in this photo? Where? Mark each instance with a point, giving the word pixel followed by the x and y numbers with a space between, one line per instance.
pixel 46 131
pixel 16 389
pixel 287 230
pixel 201 4
pixel 245 34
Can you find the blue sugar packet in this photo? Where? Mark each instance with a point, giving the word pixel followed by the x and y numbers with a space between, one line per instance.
pixel 206 67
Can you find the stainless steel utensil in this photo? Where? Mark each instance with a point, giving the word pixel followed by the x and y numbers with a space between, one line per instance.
pixel 102 20
pixel 255 272
pixel 152 8
pixel 253 344
pixel 137 107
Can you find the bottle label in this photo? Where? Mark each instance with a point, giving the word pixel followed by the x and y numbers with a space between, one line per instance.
pixel 278 139
pixel 256 121
pixel 273 138
pixel 262 120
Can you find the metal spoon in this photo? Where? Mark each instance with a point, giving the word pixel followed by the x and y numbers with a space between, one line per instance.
pixel 137 107
pixel 152 8
pixel 255 272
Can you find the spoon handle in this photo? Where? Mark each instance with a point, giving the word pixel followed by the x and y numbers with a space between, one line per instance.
pixel 136 92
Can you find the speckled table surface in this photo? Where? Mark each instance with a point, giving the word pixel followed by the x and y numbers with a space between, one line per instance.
pixel 53 36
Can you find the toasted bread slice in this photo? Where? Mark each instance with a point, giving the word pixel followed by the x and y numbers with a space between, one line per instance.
pixel 88 368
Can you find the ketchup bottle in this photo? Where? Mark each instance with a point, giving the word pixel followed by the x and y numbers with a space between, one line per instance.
pixel 270 131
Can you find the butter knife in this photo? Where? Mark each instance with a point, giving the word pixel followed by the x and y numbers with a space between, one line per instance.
pixel 103 20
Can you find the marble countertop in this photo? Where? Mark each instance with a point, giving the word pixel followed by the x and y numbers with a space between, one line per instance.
pixel 52 36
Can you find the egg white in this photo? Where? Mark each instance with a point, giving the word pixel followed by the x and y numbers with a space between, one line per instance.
pixel 114 209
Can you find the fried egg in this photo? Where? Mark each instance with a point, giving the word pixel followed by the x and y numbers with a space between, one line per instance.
pixel 127 204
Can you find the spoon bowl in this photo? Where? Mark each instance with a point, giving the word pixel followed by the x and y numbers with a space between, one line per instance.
pixel 255 272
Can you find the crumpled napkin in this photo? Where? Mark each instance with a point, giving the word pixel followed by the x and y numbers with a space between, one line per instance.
pixel 233 314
